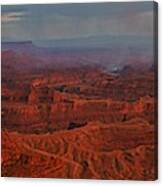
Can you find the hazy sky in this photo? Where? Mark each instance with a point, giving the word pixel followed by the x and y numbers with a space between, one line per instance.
pixel 59 21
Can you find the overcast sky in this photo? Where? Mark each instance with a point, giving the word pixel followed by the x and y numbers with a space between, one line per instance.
pixel 38 22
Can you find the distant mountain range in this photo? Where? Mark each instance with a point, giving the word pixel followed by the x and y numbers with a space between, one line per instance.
pixel 90 42
pixel 109 52
pixel 97 42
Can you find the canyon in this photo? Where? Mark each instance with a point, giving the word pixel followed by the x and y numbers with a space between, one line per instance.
pixel 79 121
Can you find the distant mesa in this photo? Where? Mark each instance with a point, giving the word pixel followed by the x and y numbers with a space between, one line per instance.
pixel 19 46
pixel 16 43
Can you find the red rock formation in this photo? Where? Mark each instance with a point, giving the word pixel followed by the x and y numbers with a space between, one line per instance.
pixel 96 151
pixel 77 123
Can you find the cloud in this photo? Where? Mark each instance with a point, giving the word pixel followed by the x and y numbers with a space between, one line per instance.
pixel 53 22
pixel 136 24
pixel 8 17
